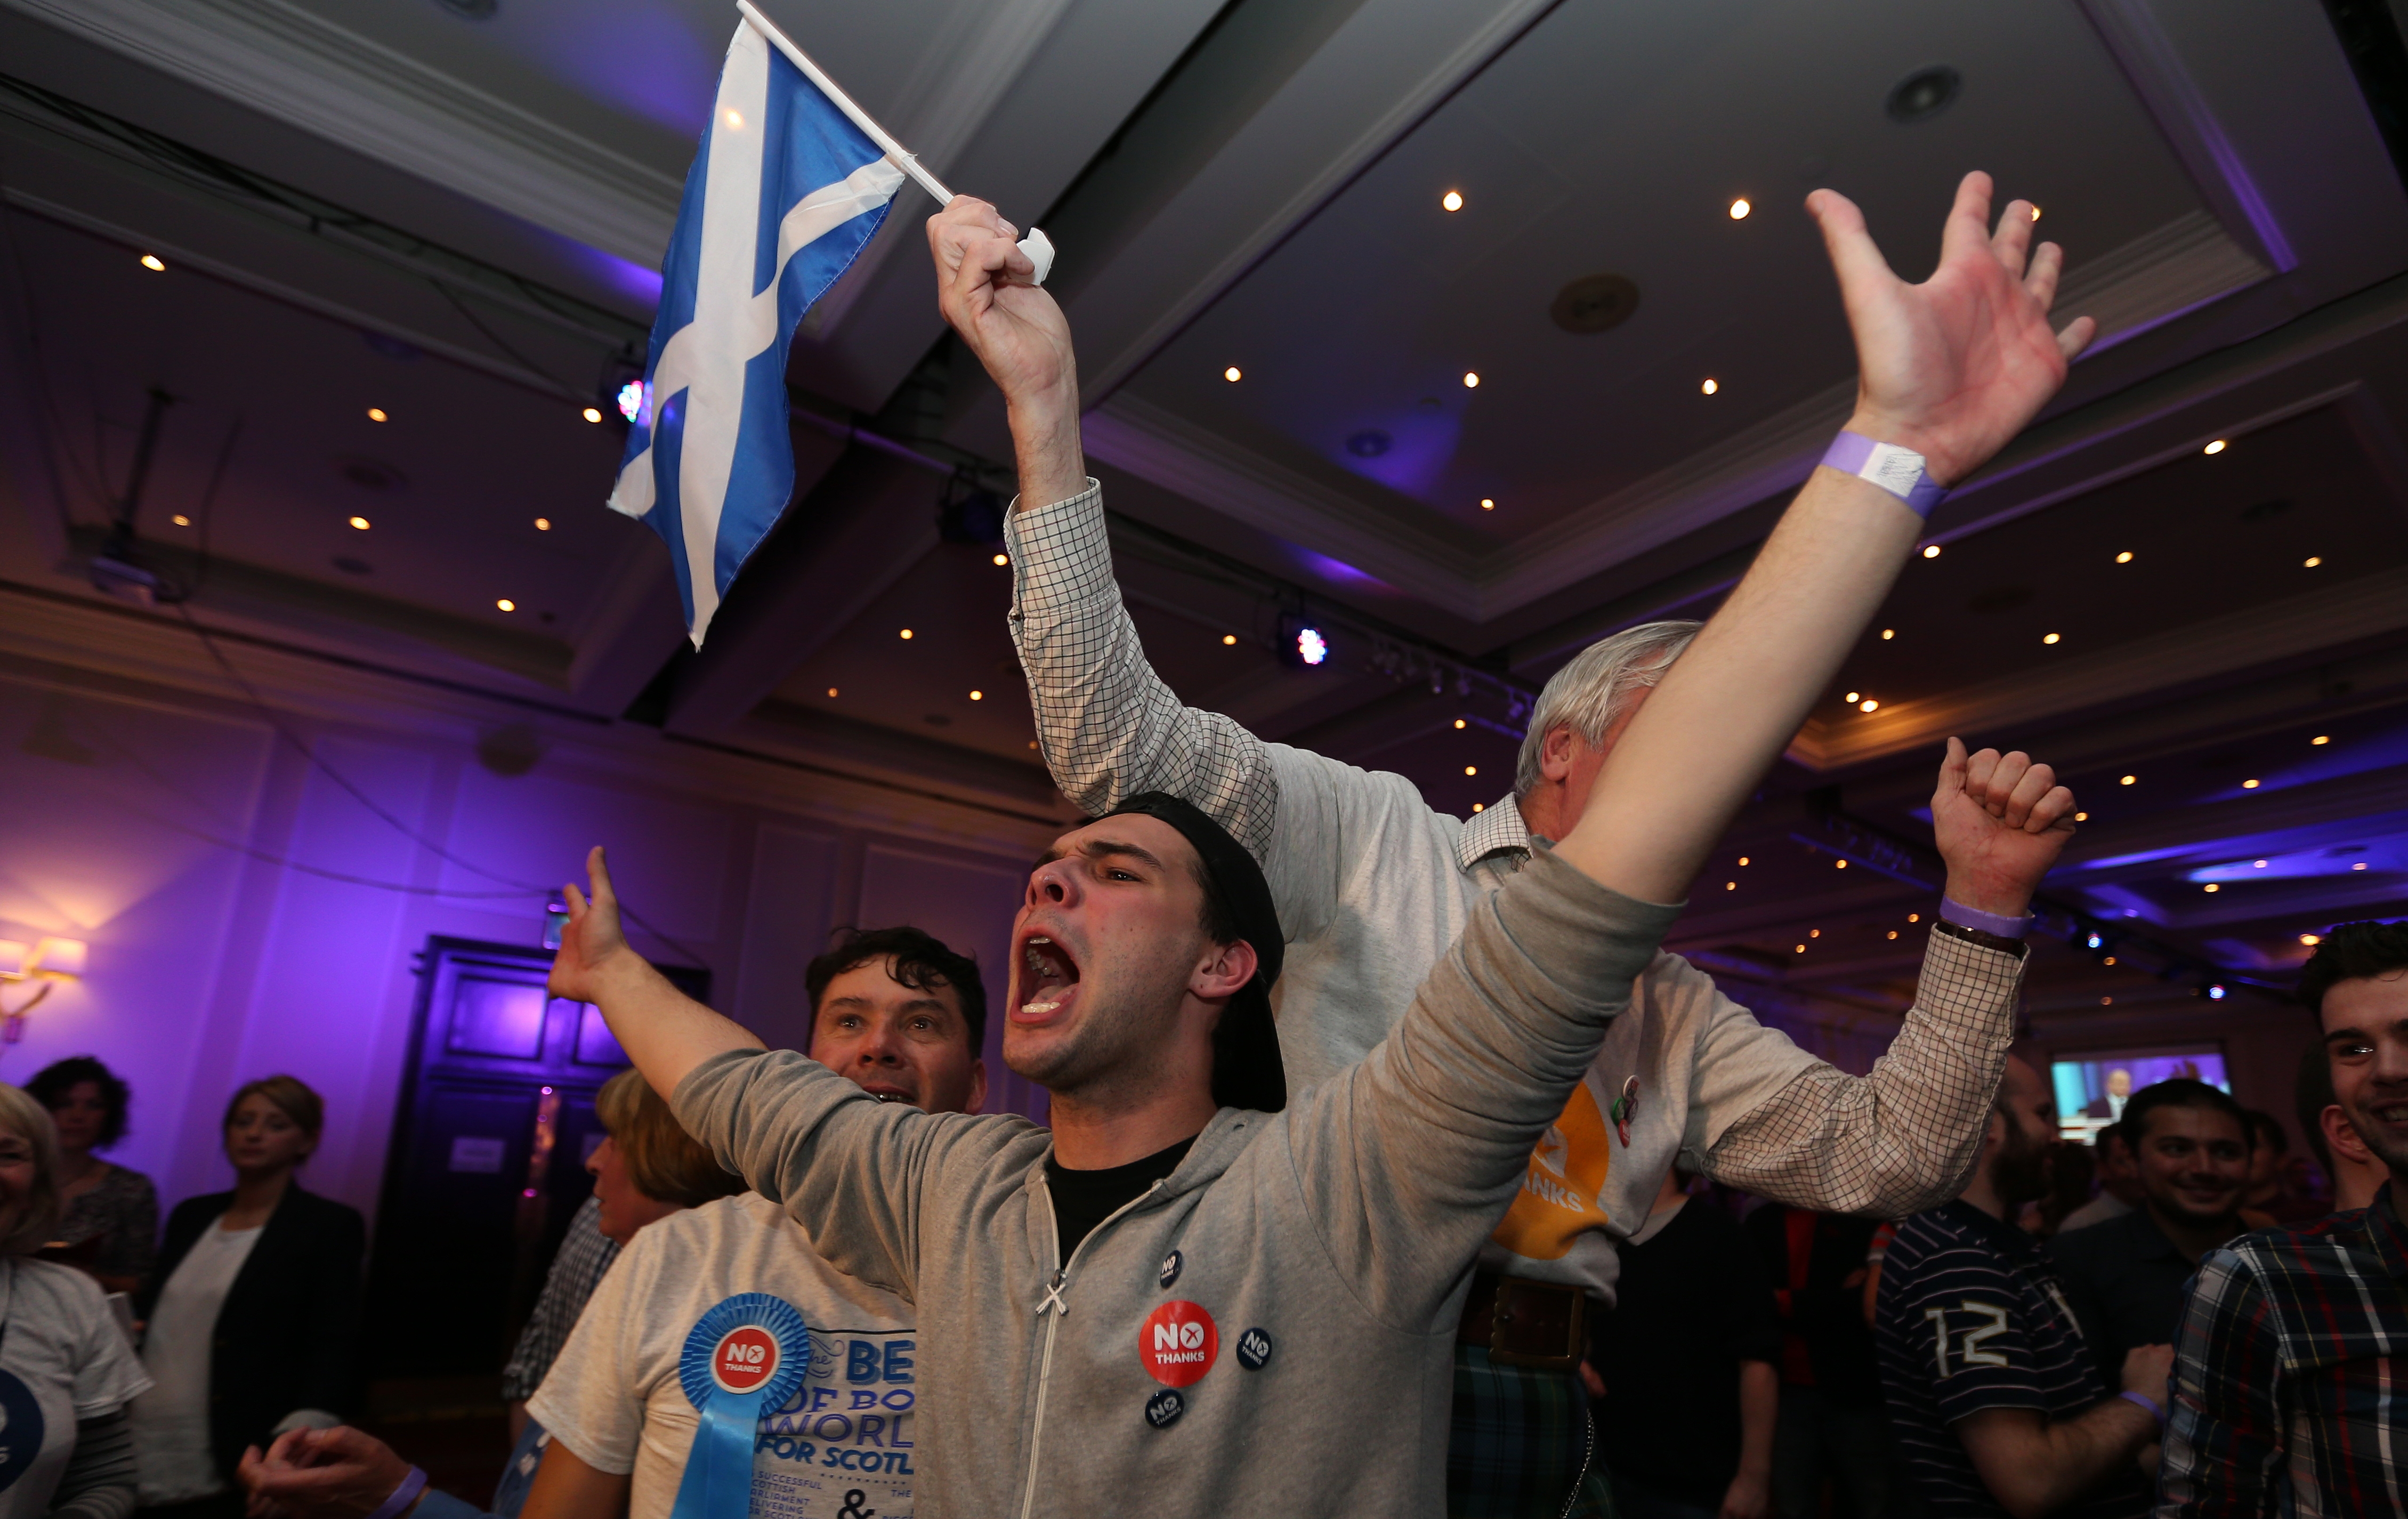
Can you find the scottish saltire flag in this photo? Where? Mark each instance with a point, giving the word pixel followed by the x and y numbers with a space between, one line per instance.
pixel 783 193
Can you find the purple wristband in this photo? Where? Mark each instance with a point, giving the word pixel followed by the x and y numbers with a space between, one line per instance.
pixel 2157 1411
pixel 1898 471
pixel 1988 922
pixel 404 1495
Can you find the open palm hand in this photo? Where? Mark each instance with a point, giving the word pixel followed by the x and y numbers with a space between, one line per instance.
pixel 1955 367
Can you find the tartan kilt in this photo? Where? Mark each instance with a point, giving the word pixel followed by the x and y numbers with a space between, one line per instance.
pixel 1521 1446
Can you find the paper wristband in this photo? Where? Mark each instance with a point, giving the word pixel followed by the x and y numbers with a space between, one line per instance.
pixel 1897 470
pixel 745 1358
pixel 404 1495
pixel 1988 922
pixel 2156 1411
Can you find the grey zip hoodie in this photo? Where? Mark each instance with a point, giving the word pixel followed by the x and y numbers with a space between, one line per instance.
pixel 1267 1331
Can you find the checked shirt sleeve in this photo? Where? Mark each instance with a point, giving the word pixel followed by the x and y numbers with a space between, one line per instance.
pixel 2224 1454
pixel 1110 728
pixel 1904 1138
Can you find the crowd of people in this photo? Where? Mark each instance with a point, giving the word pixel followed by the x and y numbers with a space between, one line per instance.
pixel 1393 1166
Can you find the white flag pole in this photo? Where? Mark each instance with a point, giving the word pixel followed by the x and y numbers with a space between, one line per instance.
pixel 1035 245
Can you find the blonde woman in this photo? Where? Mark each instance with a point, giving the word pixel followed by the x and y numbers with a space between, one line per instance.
pixel 67 1372
pixel 253 1319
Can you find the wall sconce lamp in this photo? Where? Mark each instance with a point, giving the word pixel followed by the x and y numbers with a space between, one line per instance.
pixel 49 961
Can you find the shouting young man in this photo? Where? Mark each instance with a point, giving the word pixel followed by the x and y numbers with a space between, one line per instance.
pixel 1249 1311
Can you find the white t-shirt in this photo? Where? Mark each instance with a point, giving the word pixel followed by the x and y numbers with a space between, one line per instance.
pixel 843 1442
pixel 61 1358
pixel 171 1423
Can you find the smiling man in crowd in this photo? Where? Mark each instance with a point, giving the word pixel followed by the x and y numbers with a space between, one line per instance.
pixel 1262 1318
pixel 2286 1362
pixel 900 1016
pixel 2126 1277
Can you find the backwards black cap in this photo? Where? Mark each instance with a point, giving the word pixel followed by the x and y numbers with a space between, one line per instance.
pixel 1247 1071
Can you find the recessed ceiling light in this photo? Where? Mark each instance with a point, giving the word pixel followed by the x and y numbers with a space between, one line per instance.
pixel 2216 447
pixel 592 413
pixel 2321 739
pixel 2128 779
pixel 152 263
pixel 2124 558
pixel 978 696
pixel 1479 807
pixel 1233 374
pixel 506 605
pixel 2035 213
pixel 1893 933
pixel 1923 95
pixel 1471 380
pixel 1888 633
pixel 2108 961
pixel 2211 886
pixel 181 520
pixel 1229 638
pixel 2359 865
pixel 2312 939
pixel 907 633
pixel 2313 560
pixel 2080 817
pixel 1914 917
pixel 831 691
pixel 1001 559
pixel 2049 637
pixel 543 524
pixel 1459 722
pixel 1813 933
pixel 1841 864
pixel 1739 210
pixel 1742 859
pixel 1801 948
pixel 1472 769
pixel 1708 388
pixel 376 413
pixel 1452 200
pixel 2106 1001
pixel 1931 551
pixel 2257 864
pixel 1852 697
pixel 1868 705
pixel 1489 503
pixel 360 522
pixel 2249 785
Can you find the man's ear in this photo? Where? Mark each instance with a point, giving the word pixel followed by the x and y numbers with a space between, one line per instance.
pixel 1555 752
pixel 977 1087
pixel 1223 969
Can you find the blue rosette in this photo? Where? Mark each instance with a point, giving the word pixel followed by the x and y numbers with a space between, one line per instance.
pixel 749 1352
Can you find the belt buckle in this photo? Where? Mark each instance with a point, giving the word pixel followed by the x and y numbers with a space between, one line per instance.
pixel 1530 1313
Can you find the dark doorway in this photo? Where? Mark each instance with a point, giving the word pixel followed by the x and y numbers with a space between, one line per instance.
pixel 490 1140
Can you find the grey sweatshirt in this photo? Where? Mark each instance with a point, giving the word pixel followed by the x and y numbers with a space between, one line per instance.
pixel 1317 1258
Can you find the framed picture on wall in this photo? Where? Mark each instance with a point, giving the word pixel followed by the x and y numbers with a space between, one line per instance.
pixel 2091 1085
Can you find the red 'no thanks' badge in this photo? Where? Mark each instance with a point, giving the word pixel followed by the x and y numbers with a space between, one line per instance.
pixel 746 1356
pixel 1177 1342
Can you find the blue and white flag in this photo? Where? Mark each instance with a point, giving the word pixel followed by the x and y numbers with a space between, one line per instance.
pixel 783 193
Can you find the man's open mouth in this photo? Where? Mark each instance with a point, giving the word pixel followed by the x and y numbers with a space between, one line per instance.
pixel 1047 976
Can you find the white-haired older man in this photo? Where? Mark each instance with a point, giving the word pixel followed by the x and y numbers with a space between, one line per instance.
pixel 1372 886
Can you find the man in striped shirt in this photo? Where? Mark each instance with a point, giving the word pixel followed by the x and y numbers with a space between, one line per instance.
pixel 1997 1403
pixel 2287 1362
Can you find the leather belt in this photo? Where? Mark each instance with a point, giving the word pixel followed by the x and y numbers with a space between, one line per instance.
pixel 1526 1322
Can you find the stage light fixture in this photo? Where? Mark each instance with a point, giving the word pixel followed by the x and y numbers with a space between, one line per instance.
pixel 2216 992
pixel 630 400
pixel 1303 644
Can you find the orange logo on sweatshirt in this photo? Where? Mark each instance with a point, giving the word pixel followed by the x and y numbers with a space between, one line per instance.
pixel 1559 1198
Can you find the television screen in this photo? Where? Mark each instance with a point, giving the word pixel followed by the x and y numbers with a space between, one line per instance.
pixel 2091 1085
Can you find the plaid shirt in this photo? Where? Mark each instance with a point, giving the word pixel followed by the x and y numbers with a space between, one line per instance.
pixel 585 1253
pixel 2286 1370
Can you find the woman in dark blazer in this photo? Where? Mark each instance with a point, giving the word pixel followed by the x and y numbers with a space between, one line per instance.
pixel 253 1317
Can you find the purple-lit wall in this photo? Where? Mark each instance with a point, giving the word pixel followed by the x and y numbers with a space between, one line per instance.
pixel 159 829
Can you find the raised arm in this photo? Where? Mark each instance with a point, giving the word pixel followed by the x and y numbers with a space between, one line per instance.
pixel 1902 1137
pixel 1109 726
pixel 1951 368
